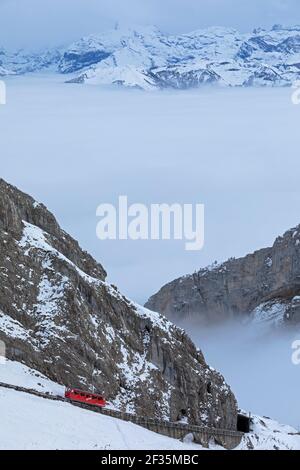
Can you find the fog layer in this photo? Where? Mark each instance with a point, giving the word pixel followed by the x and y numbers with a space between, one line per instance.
pixel 257 363
pixel 74 147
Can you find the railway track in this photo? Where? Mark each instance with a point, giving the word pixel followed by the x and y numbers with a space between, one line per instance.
pixel 229 439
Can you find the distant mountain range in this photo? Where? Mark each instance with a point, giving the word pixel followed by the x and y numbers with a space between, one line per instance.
pixel 146 58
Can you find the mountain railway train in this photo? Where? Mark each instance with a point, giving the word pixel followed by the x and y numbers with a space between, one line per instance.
pixel 85 397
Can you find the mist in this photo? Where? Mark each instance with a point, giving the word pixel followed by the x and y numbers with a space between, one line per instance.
pixel 256 362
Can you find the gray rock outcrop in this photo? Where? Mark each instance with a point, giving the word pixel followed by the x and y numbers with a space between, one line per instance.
pixel 262 286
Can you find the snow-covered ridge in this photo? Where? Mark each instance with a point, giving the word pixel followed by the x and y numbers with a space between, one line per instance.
pixel 146 58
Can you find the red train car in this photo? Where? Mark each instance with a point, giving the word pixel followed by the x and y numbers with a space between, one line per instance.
pixel 85 397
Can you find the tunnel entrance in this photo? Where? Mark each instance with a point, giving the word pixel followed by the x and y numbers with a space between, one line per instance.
pixel 243 423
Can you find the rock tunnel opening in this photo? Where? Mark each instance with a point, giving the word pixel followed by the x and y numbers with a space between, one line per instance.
pixel 243 423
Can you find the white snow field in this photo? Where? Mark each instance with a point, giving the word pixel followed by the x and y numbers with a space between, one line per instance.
pixel 30 422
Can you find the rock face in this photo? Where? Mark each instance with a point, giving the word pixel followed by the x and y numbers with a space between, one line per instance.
pixel 60 317
pixel 263 286
pixel 148 59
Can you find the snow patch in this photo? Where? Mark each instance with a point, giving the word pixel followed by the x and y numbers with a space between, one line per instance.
pixel 13 328
pixel 15 373
pixel 269 313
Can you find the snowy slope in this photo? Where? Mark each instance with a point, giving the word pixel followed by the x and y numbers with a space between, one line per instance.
pixel 15 373
pixel 146 58
pixel 29 422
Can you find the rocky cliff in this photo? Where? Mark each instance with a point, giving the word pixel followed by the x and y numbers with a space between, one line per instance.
pixel 60 317
pixel 263 287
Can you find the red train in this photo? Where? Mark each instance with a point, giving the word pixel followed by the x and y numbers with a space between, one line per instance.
pixel 85 397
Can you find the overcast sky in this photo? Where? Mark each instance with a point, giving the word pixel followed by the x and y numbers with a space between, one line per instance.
pixel 50 22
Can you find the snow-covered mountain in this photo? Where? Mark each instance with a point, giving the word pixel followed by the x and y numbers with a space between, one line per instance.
pixel 21 62
pixel 146 58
